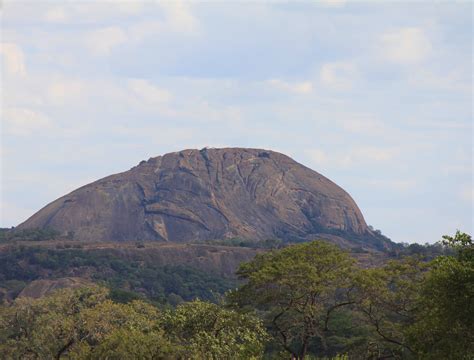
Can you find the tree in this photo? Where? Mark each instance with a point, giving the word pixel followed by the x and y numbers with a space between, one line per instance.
pixel 44 328
pixel 445 325
pixel 202 330
pixel 85 324
pixel 122 331
pixel 422 310
pixel 297 289
pixel 387 297
pixel 80 323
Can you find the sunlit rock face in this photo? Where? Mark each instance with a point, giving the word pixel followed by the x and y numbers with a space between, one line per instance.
pixel 195 195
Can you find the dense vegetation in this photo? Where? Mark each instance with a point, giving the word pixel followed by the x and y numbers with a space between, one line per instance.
pixel 86 324
pixel 314 300
pixel 307 300
pixel 128 278
pixel 254 244
pixel 10 235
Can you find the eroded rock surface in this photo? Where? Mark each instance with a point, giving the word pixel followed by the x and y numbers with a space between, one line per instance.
pixel 196 195
pixel 43 287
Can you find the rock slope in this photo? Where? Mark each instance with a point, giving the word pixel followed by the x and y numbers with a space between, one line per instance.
pixel 197 195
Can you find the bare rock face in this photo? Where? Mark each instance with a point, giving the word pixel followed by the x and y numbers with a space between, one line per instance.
pixel 43 287
pixel 196 195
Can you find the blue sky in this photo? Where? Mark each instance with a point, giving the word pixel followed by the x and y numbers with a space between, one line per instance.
pixel 375 96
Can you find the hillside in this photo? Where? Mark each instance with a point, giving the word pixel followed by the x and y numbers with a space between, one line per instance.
pixel 210 194
pixel 161 272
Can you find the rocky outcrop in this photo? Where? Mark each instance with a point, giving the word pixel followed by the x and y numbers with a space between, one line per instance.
pixel 218 260
pixel 40 288
pixel 195 195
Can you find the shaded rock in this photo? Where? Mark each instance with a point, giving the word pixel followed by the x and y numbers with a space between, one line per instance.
pixel 43 287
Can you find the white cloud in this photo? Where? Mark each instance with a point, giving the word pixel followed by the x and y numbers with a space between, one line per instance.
pixel 103 26
pixel 304 87
pixel 141 30
pixel 129 7
pixel 205 112
pixel 65 91
pixel 179 15
pixel 158 134
pixel 149 92
pixel 56 15
pixel 405 46
pixel 392 184
pixel 178 19
pixel 102 41
pixel 86 11
pixel 456 169
pixel 13 59
pixel 364 124
pixel 317 156
pixel 457 79
pixel 353 157
pixel 468 194
pixel 371 154
pixel 20 121
pixel 339 75
pixel 332 3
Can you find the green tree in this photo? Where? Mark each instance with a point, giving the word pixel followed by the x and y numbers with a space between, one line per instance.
pixel 80 323
pixel 445 321
pixel 122 331
pixel 297 290
pixel 85 324
pixel 44 328
pixel 421 310
pixel 387 297
pixel 202 330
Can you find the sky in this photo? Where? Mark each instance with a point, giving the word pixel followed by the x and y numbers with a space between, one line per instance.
pixel 376 96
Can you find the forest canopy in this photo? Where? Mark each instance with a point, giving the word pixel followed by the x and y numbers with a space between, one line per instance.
pixel 309 300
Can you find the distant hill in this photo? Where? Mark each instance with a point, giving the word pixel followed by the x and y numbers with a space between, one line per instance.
pixel 211 194
pixel 161 272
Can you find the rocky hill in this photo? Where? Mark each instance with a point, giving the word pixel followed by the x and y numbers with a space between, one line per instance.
pixel 201 195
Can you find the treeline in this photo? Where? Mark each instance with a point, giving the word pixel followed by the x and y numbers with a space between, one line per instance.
pixel 86 324
pixel 249 243
pixel 314 300
pixel 10 235
pixel 127 277
pixel 306 301
pixel 397 250
pixel 424 251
